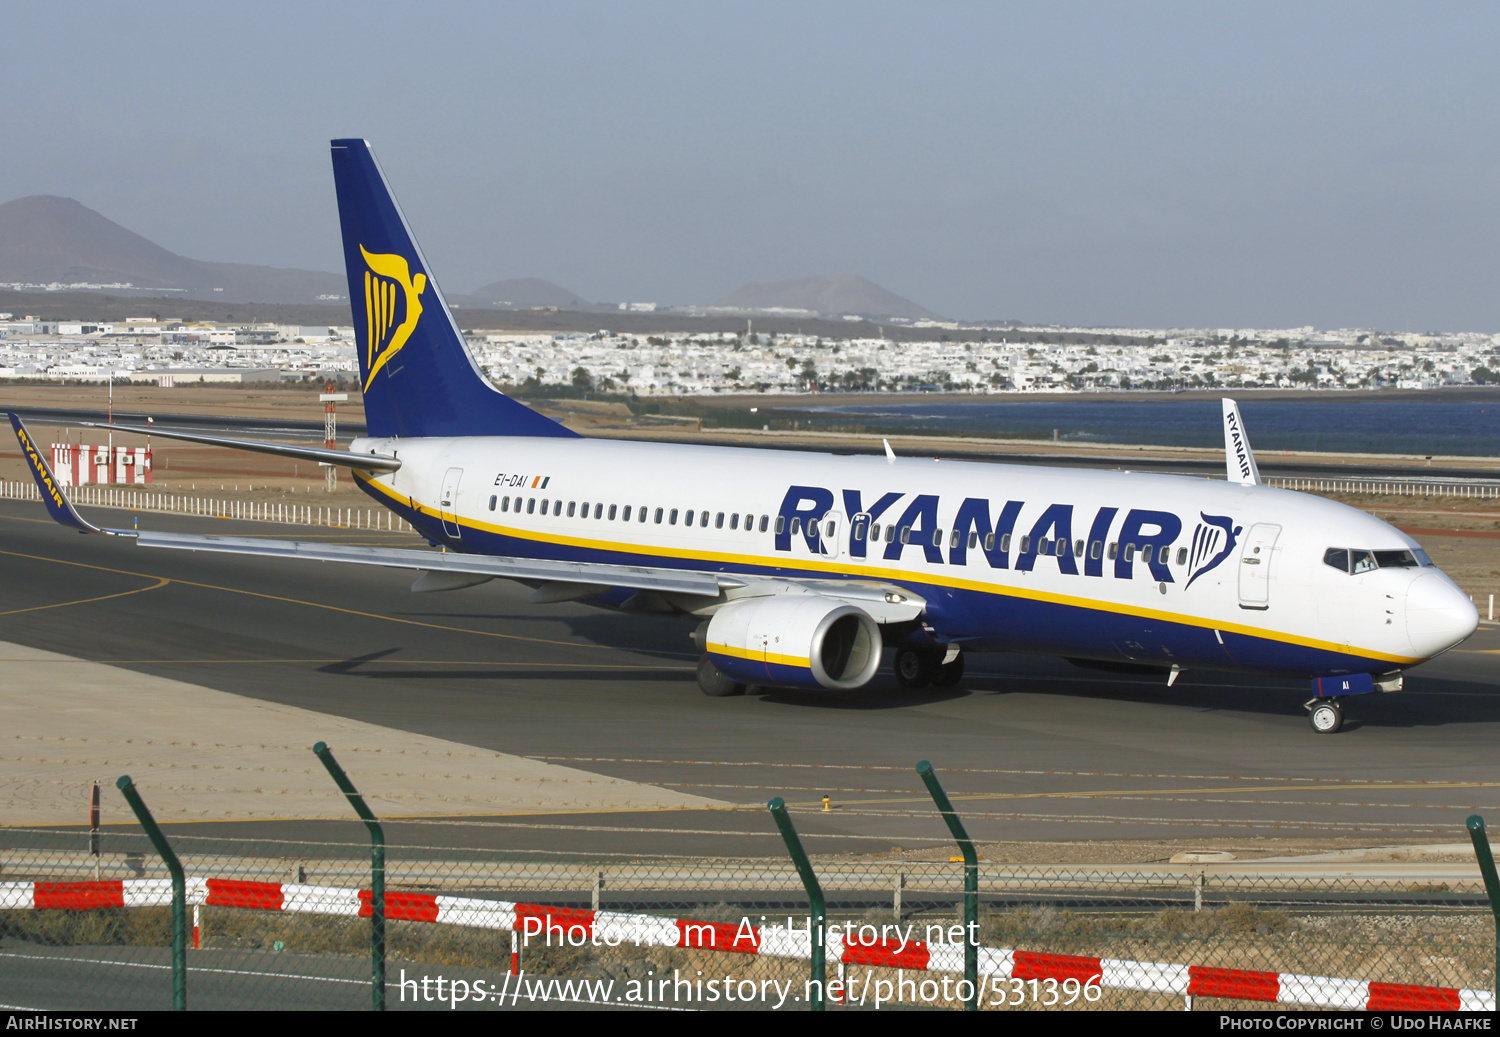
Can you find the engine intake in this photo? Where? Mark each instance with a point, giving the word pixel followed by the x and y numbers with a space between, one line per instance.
pixel 801 641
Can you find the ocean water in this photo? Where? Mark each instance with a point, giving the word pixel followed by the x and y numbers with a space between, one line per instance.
pixel 1394 426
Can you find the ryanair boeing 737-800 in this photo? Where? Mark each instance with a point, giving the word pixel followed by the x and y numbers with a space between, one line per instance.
pixel 800 569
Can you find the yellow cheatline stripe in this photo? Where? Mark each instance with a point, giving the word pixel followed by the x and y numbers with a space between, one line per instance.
pixel 160 582
pixel 757 656
pixel 849 570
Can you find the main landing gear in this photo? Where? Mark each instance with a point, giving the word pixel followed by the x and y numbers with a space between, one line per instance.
pixel 917 668
pixel 714 683
pixel 1325 715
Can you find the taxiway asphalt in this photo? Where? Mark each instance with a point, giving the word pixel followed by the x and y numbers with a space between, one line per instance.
pixel 1030 748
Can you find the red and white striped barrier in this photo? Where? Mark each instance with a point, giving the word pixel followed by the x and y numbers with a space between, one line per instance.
pixel 611 928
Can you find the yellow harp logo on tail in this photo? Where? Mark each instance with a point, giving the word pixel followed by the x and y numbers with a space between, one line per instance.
pixel 385 277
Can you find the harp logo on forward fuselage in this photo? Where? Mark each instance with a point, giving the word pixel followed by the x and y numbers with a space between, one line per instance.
pixel 392 307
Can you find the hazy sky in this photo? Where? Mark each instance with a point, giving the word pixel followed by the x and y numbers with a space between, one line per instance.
pixel 1142 164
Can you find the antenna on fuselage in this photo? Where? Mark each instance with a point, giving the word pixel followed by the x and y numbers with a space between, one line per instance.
pixel 1239 462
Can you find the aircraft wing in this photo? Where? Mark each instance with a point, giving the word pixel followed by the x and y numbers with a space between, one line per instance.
pixel 450 570
pixel 666 581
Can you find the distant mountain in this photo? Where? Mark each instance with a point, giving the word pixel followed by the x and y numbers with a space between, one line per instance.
pixel 47 240
pixel 522 293
pixel 830 295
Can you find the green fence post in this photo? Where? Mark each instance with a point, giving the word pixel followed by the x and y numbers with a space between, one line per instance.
pixel 971 883
pixel 1491 883
pixel 377 874
pixel 818 974
pixel 179 890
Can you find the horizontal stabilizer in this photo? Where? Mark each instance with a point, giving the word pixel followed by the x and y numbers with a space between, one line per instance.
pixel 343 458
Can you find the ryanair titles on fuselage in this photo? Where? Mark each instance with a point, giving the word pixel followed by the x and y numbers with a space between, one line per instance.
pixel 1145 536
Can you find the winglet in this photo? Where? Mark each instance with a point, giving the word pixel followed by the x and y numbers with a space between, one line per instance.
pixel 890 455
pixel 1238 460
pixel 57 502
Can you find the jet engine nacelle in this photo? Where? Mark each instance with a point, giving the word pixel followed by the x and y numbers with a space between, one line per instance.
pixel 801 640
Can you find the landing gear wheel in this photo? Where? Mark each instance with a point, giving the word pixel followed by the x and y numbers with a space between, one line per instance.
pixel 714 683
pixel 915 669
pixel 949 674
pixel 1326 717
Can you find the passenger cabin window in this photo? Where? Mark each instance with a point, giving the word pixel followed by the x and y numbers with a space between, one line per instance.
pixel 687 521
pixel 973 540
pixel 1004 543
pixel 734 521
pixel 627 512
pixel 612 512
pixel 989 541
pixel 874 531
pixel 659 513
pixel 672 519
pixel 1182 556
pixel 530 505
pixel 1114 549
pixel 1096 550
pixel 1025 542
pixel 890 533
pixel 906 534
pixel 557 507
pixel 545 502
pixel 937 538
pixel 641 511
pixel 599 511
pixel 572 507
pixel 780 523
pixel 493 501
pixel 765 520
pixel 796 526
pixel 719 520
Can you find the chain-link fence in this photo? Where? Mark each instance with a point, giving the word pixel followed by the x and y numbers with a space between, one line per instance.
pixel 286 924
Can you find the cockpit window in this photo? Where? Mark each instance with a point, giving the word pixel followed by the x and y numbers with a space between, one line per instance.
pixel 1356 561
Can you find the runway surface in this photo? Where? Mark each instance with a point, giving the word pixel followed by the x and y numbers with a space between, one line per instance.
pixel 1030 748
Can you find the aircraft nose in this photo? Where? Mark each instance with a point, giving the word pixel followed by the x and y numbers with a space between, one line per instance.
pixel 1438 614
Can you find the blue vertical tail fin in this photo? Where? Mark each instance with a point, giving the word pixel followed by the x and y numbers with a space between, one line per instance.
pixel 414 367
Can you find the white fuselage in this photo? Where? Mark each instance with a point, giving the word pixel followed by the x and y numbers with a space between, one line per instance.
pixel 1067 561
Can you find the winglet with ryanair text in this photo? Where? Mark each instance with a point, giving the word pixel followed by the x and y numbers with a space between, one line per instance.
pixel 1239 462
pixel 57 502
pixel 415 369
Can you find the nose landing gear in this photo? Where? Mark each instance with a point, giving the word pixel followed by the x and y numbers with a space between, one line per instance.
pixel 1325 715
